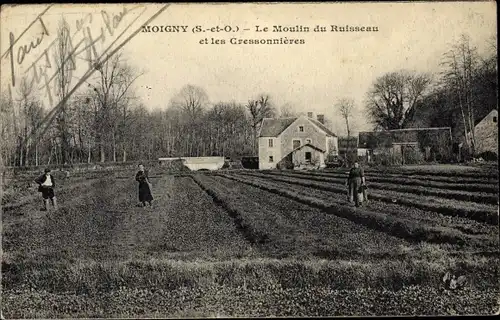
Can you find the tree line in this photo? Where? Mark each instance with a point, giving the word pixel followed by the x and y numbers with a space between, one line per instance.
pixel 106 121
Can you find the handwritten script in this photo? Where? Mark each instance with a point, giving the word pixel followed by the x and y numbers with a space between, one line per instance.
pixel 69 45
pixel 44 54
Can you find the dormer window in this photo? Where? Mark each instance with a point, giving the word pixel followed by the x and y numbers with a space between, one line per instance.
pixel 495 119
pixel 301 128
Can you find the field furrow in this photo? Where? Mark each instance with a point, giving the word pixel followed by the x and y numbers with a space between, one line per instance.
pixel 479 185
pixel 399 227
pixel 254 243
pixel 401 186
pixel 292 228
pixel 98 226
pixel 471 210
pixel 485 234
pixel 487 174
pixel 182 224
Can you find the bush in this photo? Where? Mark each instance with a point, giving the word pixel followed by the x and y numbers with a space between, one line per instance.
pixel 285 163
pixel 488 156
pixel 235 165
pixel 250 162
pixel 386 159
pixel 413 156
pixel 466 154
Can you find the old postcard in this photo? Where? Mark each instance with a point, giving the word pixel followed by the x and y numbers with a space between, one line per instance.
pixel 249 160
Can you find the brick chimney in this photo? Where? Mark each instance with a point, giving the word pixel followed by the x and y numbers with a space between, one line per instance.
pixel 321 118
pixel 309 114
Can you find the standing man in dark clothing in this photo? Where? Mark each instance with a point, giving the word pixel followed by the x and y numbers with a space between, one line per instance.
pixel 356 182
pixel 46 184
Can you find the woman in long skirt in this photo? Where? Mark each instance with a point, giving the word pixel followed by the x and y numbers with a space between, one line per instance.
pixel 144 186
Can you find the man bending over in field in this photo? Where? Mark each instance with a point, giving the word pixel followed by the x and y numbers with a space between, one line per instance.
pixel 46 185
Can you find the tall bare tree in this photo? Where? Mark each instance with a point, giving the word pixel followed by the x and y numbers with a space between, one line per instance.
pixel 35 114
pixel 346 107
pixel 229 131
pixel 115 78
pixel 8 128
pixel 191 101
pixel 461 63
pixel 287 110
pixel 65 63
pixel 442 107
pixel 25 99
pixel 392 100
pixel 259 109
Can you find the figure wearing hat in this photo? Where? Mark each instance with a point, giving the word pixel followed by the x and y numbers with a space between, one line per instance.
pixel 46 185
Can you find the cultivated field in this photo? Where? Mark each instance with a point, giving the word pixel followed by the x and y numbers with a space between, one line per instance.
pixel 252 243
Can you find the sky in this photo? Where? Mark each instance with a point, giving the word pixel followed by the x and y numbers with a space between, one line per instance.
pixel 310 76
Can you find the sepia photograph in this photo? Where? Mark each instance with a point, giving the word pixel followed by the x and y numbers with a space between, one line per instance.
pixel 208 160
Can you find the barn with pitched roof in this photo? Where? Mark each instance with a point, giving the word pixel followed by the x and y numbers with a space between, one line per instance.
pixel 431 142
pixel 298 141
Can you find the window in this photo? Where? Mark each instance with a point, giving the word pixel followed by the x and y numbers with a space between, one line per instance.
pixel 295 144
pixel 271 159
pixel 270 143
pixel 308 141
pixel 308 157
pixel 301 128
pixel 494 119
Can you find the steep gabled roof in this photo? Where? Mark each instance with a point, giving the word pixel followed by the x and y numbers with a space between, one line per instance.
pixel 481 119
pixel 274 127
pixel 308 145
pixel 322 127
